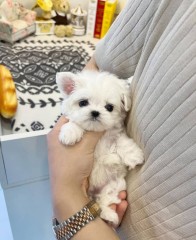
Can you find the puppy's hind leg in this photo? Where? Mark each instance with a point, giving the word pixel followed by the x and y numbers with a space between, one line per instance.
pixel 108 196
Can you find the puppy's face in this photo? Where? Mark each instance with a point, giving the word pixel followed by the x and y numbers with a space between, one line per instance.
pixel 95 101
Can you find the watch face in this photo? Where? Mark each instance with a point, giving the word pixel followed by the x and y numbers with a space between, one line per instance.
pixel 94 208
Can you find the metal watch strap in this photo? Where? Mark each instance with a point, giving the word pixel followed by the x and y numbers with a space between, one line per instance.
pixel 65 230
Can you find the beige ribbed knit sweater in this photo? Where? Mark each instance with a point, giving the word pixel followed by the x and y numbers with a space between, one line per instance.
pixel 155 40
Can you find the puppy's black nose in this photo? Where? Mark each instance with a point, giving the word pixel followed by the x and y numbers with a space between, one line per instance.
pixel 95 114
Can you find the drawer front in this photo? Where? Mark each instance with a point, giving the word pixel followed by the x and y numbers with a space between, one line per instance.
pixel 24 158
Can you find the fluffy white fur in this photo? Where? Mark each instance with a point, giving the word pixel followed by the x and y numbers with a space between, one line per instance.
pixel 99 101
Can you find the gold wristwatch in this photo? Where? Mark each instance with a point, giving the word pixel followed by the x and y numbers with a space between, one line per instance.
pixel 66 229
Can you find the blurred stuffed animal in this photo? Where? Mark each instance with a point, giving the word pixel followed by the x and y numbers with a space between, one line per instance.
pixel 60 14
pixel 46 8
pixel 63 31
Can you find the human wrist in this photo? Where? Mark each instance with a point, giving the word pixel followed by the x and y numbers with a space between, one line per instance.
pixel 67 204
pixel 69 189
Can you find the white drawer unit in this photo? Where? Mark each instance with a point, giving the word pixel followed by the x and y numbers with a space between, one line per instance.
pixel 25 183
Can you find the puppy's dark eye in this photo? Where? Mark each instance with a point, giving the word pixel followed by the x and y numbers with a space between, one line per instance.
pixel 109 107
pixel 83 103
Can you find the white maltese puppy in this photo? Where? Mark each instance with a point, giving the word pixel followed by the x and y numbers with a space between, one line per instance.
pixel 99 101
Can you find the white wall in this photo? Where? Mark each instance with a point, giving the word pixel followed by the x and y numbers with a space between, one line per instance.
pixel 84 3
pixel 30 3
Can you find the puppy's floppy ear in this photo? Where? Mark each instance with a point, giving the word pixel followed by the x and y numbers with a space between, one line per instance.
pixel 126 101
pixel 126 98
pixel 65 82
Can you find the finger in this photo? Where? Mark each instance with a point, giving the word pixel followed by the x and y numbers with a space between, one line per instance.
pixel 57 127
pixel 91 138
pixel 62 120
pixel 121 209
pixel 56 130
pixel 113 206
pixel 122 195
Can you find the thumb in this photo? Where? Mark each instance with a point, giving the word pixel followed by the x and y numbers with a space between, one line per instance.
pixel 91 138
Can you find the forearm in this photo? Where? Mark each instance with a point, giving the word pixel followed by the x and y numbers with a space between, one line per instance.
pixel 91 65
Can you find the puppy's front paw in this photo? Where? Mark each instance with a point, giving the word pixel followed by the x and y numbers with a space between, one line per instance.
pixel 70 133
pixel 134 159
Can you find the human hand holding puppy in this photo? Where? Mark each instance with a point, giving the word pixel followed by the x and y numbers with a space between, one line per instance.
pixel 70 167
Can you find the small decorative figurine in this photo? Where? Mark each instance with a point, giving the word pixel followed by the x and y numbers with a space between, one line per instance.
pixel 77 20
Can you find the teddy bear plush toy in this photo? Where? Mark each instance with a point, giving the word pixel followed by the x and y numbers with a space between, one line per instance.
pixel 60 14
